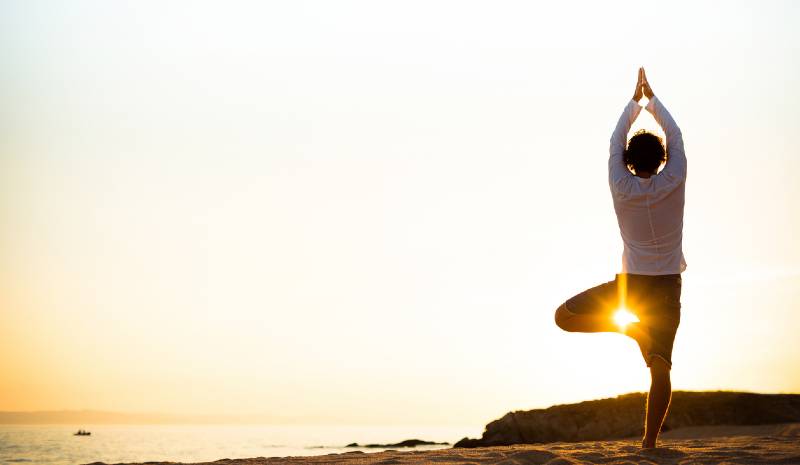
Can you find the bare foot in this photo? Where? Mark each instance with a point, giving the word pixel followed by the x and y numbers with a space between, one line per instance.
pixel 648 444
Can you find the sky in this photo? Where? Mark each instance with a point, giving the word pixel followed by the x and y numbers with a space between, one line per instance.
pixel 367 212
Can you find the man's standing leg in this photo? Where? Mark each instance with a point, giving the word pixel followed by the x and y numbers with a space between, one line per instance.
pixel 657 401
pixel 662 321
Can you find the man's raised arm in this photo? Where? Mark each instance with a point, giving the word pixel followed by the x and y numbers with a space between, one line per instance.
pixel 617 170
pixel 675 169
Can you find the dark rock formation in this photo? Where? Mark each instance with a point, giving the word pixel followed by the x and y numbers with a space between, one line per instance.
pixel 623 416
pixel 406 443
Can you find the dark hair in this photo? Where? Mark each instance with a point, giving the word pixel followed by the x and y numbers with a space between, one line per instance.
pixel 645 152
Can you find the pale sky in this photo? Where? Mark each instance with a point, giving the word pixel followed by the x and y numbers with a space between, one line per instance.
pixel 368 211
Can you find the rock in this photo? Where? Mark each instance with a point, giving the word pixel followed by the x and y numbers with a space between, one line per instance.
pixel 406 443
pixel 623 416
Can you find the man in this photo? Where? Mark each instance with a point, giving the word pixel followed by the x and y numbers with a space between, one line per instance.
pixel 649 208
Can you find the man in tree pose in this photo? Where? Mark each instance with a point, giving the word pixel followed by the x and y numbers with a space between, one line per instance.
pixel 649 208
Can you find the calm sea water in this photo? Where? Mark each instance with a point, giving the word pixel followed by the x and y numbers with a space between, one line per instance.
pixel 55 444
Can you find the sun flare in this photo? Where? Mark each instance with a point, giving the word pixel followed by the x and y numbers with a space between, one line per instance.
pixel 623 318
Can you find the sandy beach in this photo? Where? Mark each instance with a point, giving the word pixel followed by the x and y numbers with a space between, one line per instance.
pixel 717 445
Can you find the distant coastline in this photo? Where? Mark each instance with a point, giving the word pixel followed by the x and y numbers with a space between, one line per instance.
pixel 101 417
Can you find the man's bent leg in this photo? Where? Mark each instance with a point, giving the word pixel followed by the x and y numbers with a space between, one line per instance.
pixel 591 310
pixel 584 323
pixel 657 401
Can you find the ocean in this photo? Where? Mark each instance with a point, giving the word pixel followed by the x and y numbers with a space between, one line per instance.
pixel 56 445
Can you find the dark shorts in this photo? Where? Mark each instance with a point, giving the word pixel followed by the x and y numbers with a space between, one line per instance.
pixel 655 300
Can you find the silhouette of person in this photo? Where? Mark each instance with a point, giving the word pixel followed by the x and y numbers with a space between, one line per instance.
pixel 649 207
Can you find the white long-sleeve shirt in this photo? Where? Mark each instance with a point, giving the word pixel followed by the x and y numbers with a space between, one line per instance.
pixel 649 210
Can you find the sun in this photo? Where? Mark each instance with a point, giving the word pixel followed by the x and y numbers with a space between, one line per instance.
pixel 623 318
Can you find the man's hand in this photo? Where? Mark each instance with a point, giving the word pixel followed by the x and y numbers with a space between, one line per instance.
pixel 648 92
pixel 637 94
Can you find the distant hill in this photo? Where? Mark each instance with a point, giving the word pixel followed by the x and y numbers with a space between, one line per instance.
pixel 623 416
pixel 96 417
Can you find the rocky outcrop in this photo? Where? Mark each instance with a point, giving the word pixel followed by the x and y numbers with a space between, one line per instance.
pixel 623 416
pixel 406 443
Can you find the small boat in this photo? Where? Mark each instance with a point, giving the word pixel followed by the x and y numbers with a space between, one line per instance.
pixel 82 433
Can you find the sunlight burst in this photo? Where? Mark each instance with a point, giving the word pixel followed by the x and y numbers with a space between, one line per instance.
pixel 623 318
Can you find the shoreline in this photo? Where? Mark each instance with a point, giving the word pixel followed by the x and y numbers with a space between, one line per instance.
pixel 761 444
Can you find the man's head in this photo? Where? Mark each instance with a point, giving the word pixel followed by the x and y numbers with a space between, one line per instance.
pixel 645 153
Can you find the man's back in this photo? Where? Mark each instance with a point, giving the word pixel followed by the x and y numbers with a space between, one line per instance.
pixel 649 210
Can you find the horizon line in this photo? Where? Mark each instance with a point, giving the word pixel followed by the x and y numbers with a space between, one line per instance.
pixel 72 416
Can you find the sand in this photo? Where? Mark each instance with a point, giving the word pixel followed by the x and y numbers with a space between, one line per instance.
pixel 717 445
